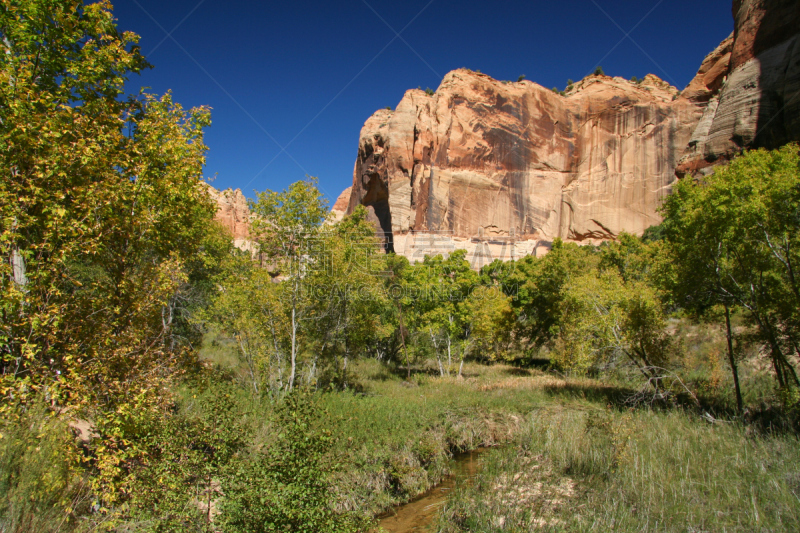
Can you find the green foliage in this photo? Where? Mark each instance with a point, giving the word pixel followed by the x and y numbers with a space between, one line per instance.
pixel 189 452
pixel 100 225
pixel 288 227
pixel 521 77
pixel 489 318
pixel 606 322
pixel 286 486
pixel 429 91
pixel 733 237
pixel 41 485
pixel 248 308
pixel 349 301
pixel 537 287
pixel 599 71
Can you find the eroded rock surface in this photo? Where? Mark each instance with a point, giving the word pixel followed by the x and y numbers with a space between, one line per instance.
pixel 759 103
pixel 504 168
pixel 234 214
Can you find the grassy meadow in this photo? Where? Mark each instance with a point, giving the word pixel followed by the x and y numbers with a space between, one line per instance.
pixel 567 453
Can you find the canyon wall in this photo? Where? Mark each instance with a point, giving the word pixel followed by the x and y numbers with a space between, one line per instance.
pixel 758 104
pixel 503 168
pixel 233 214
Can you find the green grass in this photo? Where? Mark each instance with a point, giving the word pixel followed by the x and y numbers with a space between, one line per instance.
pixel 568 457
pixel 606 470
pixel 398 436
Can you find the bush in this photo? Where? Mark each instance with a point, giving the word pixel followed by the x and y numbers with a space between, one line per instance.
pixel 41 488
pixel 286 486
pixel 599 71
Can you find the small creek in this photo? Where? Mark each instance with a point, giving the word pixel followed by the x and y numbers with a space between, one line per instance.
pixel 419 514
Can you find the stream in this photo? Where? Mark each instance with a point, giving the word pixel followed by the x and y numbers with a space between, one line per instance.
pixel 420 513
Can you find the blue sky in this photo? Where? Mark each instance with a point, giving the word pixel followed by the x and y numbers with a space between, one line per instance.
pixel 291 83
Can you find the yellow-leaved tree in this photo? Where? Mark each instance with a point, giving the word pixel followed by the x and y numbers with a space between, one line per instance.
pixel 104 222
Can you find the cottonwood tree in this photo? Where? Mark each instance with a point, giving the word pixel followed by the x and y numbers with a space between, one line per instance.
pixel 348 305
pixel 536 286
pixel 735 239
pixel 288 227
pixel 103 217
pixel 488 318
pixel 101 206
pixel 606 322
pixel 248 308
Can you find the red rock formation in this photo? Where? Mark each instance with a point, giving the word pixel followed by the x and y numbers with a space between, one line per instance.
pixel 339 208
pixel 511 166
pixel 233 213
pixel 503 168
pixel 759 103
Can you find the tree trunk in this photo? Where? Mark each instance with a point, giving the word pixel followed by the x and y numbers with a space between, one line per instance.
pixel 732 360
pixel 18 268
pixel 449 354
pixel 294 344
pixel 403 339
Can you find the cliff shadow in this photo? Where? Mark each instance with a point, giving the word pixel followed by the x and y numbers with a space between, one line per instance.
pixel 776 47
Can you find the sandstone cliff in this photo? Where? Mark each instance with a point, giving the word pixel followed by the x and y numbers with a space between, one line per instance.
pixel 234 214
pixel 504 168
pixel 339 209
pixel 759 103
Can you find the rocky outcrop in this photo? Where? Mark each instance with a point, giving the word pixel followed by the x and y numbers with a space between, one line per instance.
pixel 339 209
pixel 503 168
pixel 759 103
pixel 233 214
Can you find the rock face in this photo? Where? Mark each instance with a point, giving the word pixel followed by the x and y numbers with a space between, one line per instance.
pixel 759 103
pixel 339 209
pixel 234 214
pixel 504 168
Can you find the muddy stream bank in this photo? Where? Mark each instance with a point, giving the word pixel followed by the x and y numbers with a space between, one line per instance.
pixel 419 515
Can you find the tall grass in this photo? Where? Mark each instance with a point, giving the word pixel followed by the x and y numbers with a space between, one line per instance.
pixel 41 486
pixel 607 470
pixel 398 436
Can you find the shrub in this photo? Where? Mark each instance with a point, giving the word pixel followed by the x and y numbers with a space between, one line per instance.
pixel 599 71
pixel 41 488
pixel 286 486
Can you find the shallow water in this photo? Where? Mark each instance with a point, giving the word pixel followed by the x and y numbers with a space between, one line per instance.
pixel 419 514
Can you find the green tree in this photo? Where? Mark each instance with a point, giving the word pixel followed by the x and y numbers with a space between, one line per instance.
pixel 488 319
pixel 536 286
pixel 285 487
pixel 606 322
pixel 288 228
pixel 248 308
pixel 104 228
pixel 348 297
pixel 734 236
